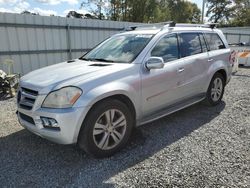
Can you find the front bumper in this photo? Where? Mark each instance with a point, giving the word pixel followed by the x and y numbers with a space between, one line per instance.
pixel 69 122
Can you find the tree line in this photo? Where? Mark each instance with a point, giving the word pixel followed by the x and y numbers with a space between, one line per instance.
pixel 224 12
pixel 144 10
pixel 229 12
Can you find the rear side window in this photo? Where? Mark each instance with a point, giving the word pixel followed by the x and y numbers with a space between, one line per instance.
pixel 214 41
pixel 189 44
pixel 167 48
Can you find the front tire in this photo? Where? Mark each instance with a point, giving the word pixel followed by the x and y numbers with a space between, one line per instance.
pixel 106 129
pixel 215 90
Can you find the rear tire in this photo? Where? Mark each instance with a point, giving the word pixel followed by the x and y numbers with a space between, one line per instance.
pixel 106 129
pixel 215 90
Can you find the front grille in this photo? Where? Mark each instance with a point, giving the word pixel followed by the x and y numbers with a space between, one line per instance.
pixel 29 91
pixel 26 98
pixel 26 118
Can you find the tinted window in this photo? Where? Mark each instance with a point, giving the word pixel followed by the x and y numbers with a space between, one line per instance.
pixel 167 48
pixel 189 44
pixel 203 43
pixel 214 41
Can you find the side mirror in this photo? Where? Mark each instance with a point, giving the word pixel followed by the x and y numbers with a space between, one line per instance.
pixel 154 63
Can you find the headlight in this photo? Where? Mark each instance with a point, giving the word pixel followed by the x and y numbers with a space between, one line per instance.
pixel 62 98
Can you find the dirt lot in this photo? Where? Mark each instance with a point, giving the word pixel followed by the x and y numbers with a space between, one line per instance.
pixel 196 147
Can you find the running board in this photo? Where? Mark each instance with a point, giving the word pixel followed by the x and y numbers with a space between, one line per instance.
pixel 171 109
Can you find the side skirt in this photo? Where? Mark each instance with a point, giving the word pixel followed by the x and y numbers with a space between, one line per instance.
pixel 172 108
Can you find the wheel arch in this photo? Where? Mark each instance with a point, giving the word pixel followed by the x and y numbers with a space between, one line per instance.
pixel 219 70
pixel 223 73
pixel 121 97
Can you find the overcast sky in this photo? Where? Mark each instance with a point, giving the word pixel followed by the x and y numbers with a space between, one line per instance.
pixel 48 7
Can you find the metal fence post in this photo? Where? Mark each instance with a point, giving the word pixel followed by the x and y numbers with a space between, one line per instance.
pixel 69 42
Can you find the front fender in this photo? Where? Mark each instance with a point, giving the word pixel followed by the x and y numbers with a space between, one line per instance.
pixel 103 91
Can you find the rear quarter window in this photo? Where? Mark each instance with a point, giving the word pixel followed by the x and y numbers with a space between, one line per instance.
pixel 214 41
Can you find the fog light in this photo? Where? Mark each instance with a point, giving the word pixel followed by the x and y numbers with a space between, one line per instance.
pixel 49 122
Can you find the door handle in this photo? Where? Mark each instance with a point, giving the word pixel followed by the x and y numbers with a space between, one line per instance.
pixel 180 70
pixel 209 60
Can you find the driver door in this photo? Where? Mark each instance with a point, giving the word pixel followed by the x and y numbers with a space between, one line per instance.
pixel 160 86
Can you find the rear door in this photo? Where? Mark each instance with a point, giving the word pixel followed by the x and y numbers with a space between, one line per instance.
pixel 193 68
pixel 218 53
pixel 217 49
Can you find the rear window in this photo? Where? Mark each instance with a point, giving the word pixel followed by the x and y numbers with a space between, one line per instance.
pixel 189 44
pixel 214 41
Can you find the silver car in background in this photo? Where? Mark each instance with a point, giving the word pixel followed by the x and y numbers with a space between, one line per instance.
pixel 130 79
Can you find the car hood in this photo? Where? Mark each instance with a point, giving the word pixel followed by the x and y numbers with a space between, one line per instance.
pixel 52 77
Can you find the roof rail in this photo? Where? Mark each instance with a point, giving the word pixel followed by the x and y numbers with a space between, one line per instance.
pixel 239 44
pixel 208 25
pixel 163 25
pixel 156 25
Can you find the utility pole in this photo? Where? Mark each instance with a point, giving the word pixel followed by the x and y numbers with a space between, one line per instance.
pixel 202 12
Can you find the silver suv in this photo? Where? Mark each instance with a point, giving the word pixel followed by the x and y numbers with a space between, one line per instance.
pixel 130 79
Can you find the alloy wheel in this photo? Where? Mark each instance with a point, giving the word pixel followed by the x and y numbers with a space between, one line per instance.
pixel 109 129
pixel 217 89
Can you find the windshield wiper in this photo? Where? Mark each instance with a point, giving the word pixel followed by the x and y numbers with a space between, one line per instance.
pixel 100 59
pixel 83 58
pixel 96 59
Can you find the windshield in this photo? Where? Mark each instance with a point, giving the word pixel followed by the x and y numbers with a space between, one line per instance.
pixel 119 49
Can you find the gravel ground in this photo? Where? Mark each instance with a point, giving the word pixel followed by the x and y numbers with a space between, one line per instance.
pixel 197 147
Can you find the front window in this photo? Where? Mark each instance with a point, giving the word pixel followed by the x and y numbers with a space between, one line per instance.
pixel 167 48
pixel 119 49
